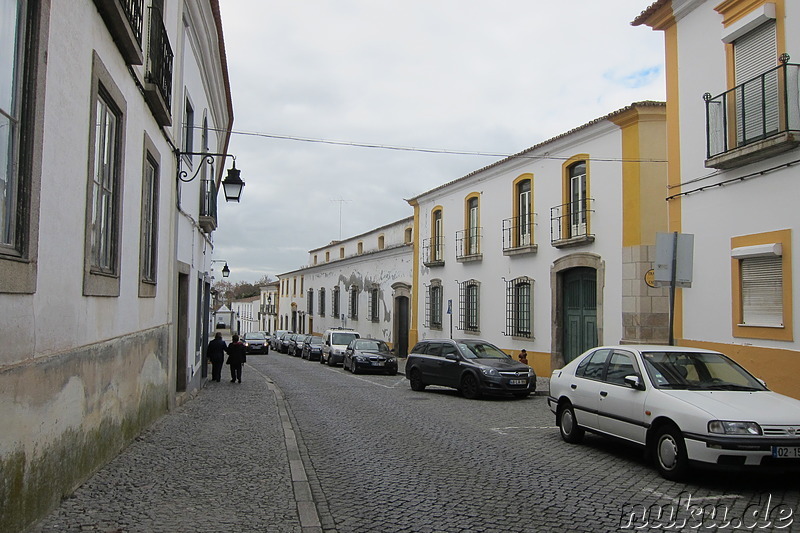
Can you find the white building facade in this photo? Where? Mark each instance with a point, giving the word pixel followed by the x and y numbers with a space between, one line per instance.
pixel 547 250
pixel 734 175
pixel 363 283
pixel 104 287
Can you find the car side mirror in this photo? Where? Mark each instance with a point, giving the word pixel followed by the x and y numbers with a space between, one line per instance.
pixel 451 357
pixel 634 382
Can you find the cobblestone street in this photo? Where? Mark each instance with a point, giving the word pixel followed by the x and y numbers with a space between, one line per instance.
pixel 303 447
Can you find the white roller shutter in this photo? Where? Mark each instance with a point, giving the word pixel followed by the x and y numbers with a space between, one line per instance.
pixel 762 291
pixel 757 112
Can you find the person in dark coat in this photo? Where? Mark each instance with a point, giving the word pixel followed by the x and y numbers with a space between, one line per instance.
pixel 236 357
pixel 216 354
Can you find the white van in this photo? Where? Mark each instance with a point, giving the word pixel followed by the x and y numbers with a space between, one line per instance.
pixel 334 344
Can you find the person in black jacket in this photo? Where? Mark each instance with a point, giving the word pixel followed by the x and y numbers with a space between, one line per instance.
pixel 236 357
pixel 216 354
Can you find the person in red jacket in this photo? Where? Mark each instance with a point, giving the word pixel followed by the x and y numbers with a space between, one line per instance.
pixel 237 355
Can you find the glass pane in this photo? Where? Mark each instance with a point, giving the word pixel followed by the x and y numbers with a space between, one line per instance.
pixel 7 183
pixel 9 36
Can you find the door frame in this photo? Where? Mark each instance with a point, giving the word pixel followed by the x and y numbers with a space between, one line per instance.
pixel 557 270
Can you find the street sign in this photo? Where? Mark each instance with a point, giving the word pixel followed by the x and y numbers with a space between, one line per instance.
pixel 667 255
pixel 449 307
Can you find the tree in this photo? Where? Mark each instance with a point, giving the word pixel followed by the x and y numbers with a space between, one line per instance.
pixel 266 279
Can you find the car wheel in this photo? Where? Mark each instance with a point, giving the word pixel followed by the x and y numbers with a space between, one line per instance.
pixel 330 361
pixel 415 379
pixel 669 450
pixel 353 367
pixel 469 387
pixel 568 425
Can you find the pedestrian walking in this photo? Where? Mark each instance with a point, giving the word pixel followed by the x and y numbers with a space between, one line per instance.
pixel 236 357
pixel 216 354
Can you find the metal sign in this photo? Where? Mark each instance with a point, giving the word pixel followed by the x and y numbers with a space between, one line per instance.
pixel 449 307
pixel 674 249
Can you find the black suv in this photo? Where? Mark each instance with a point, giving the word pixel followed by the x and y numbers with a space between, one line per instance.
pixel 473 366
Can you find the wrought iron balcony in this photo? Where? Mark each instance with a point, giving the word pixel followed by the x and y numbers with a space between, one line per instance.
pixel 208 206
pixel 124 20
pixel 518 234
pixel 468 244
pixel 433 251
pixel 158 75
pixel 570 223
pixel 755 120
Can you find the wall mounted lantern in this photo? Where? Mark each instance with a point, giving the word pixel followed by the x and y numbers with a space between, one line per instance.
pixel 225 270
pixel 232 184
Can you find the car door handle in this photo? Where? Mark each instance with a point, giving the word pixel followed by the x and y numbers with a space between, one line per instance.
pixel 603 393
pixel 573 386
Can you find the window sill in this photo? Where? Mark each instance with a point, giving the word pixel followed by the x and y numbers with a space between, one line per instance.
pixel 523 338
pixel 431 264
pixel 469 258
pixel 573 241
pixel 757 151
pixel 772 326
pixel 520 250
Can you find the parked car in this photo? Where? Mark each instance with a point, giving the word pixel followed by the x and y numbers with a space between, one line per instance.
pixel 473 366
pixel 369 355
pixel 296 343
pixel 255 342
pixel 334 344
pixel 285 340
pixel 686 406
pixel 312 348
pixel 275 339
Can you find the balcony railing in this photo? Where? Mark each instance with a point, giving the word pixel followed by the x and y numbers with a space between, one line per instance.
pixel 433 251
pixel 518 233
pixel 158 76
pixel 758 109
pixel 468 244
pixel 570 223
pixel 124 20
pixel 208 206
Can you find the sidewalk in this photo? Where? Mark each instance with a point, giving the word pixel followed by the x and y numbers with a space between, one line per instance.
pixel 221 462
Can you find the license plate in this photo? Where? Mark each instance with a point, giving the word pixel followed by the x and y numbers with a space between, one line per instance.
pixel 378 363
pixel 786 452
pixel 518 382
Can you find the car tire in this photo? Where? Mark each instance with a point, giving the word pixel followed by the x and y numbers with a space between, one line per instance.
pixel 470 388
pixel 330 361
pixel 669 452
pixel 353 367
pixel 568 425
pixel 415 380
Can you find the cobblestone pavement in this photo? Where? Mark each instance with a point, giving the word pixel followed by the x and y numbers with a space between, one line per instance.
pixel 302 447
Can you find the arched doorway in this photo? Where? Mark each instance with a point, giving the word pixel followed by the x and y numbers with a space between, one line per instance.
pixel 402 318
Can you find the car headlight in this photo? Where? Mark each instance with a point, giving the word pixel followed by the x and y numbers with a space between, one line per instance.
pixel 726 427
pixel 531 373
pixel 359 358
pixel 488 371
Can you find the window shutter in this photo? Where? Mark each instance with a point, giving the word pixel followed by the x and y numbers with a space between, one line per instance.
pixel 755 53
pixel 762 291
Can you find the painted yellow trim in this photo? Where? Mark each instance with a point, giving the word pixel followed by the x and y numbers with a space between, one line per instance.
pixel 467 235
pixel 413 333
pixel 515 207
pixel 539 361
pixel 433 221
pixel 662 19
pixel 784 237
pixel 778 367
pixel 565 198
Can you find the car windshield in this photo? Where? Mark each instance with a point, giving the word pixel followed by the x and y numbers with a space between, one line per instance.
pixel 371 345
pixel 698 371
pixel 255 336
pixel 342 338
pixel 316 340
pixel 481 350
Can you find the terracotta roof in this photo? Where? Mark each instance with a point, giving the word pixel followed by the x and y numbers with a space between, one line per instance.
pixel 645 103
pixel 655 6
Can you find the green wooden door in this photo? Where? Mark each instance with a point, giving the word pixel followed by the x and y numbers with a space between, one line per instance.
pixel 580 311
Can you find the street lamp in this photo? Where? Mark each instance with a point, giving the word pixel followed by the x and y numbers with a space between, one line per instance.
pixel 232 184
pixel 225 270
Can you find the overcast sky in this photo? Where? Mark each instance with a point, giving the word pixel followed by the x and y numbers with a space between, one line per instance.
pixel 455 75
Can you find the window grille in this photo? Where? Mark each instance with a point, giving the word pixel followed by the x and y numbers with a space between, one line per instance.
pixel 374 305
pixel 518 307
pixel 310 302
pixel 322 302
pixel 335 302
pixel 353 307
pixel 434 312
pixel 469 303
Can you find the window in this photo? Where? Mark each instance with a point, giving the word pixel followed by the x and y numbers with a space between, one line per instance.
pixel 103 208
pixel 518 307
pixel 360 247
pixel 438 236
pixel 434 304
pixel 335 302
pixel 381 242
pixel 523 233
pixel 762 285
pixel 148 242
pixel 592 366
pixel 322 302
pixel 327 256
pixel 619 366
pixel 315 259
pixel 188 127
pixel 577 199
pixel 22 72
pixel 310 302
pixel 469 300
pixel 353 303
pixel 473 232
pixel 374 304
pixel 754 54
pixel 408 235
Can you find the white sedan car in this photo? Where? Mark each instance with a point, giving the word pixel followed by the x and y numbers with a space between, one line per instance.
pixel 686 406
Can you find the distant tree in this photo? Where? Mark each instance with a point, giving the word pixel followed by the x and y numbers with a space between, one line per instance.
pixel 266 279
pixel 244 289
pixel 225 292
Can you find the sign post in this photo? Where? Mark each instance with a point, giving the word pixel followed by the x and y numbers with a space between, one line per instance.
pixel 450 312
pixel 674 258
